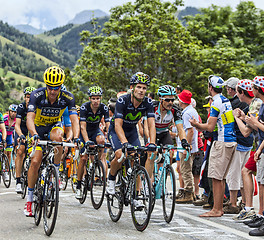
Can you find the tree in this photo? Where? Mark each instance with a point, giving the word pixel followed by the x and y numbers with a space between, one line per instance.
pixel 145 36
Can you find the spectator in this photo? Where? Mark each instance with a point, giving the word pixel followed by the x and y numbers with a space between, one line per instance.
pixel 223 148
pixel 192 138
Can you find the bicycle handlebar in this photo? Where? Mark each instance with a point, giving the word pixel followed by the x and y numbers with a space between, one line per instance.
pixel 139 149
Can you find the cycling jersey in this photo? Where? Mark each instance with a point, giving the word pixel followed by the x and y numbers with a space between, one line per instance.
pixel 9 130
pixel 48 114
pixel 131 115
pixel 22 114
pixel 66 121
pixel 222 109
pixel 93 120
pixel 162 124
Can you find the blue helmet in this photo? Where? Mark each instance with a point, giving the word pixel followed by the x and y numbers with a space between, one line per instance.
pixel 140 77
pixel 13 107
pixel 166 90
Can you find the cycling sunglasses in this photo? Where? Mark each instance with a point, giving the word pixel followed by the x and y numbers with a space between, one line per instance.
pixel 168 99
pixel 53 88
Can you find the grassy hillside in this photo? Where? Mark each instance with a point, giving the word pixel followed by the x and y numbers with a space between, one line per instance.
pixel 27 51
pixel 23 79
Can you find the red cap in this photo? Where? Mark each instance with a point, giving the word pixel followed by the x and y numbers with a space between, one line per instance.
pixel 185 96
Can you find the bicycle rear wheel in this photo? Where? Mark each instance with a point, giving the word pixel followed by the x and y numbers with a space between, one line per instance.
pixel 64 178
pixel 141 199
pixel 50 199
pixel 84 189
pixel 168 193
pixel 37 202
pixel 115 202
pixel 6 173
pixel 98 184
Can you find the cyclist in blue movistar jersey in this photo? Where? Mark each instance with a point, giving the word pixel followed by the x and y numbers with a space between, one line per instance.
pixel 91 115
pixel 130 108
pixel 45 109
pixel 20 135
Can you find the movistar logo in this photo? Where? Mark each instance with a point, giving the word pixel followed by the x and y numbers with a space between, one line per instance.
pixel 131 117
pixel 93 119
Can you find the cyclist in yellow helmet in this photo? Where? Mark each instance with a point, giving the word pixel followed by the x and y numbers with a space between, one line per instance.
pixel 45 109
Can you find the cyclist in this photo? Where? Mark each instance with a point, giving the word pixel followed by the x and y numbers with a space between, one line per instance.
pixel 20 135
pixel 46 106
pixel 166 114
pixel 122 131
pixel 10 121
pixel 90 117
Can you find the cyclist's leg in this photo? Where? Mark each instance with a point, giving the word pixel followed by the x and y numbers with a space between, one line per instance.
pixel 19 162
pixel 100 139
pixel 56 134
pixel 9 148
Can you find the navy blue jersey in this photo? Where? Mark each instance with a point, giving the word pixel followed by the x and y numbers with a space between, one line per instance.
pixel 93 120
pixel 131 115
pixel 46 113
pixel 22 114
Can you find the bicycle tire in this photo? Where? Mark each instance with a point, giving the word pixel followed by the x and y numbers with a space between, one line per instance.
pixel 37 202
pixel 74 176
pixel 84 189
pixel 98 183
pixel 6 171
pixel 153 197
pixel 115 203
pixel 64 178
pixel 143 187
pixel 168 193
pixel 13 166
pixel 50 199
pixel 23 183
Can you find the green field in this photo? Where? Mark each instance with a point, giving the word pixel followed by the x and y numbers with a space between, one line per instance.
pixel 23 79
pixel 4 41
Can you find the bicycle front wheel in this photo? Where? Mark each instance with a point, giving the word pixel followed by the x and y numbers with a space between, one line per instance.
pixel 50 199
pixel 141 199
pixel 98 184
pixel 64 178
pixel 37 202
pixel 168 193
pixel 115 202
pixel 6 173
pixel 24 183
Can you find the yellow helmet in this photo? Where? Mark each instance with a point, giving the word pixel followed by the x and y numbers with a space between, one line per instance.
pixel 54 76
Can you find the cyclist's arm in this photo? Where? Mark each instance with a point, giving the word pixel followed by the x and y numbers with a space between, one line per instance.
pixel 30 123
pixel 209 126
pixel 190 133
pixel 119 130
pixel 2 126
pixel 17 127
pixel 69 134
pixel 146 129
pixel 75 125
pixel 152 129
pixel 84 131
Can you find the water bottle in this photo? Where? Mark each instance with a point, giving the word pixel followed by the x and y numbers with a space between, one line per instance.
pixel 129 171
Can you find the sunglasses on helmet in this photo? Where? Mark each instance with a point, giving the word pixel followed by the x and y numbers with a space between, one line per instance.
pixel 53 88
pixel 168 99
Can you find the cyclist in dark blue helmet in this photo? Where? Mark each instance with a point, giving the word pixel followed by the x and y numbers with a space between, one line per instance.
pixel 130 108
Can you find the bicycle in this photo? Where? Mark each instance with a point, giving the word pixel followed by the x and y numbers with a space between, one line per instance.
pixel 4 167
pixel 12 162
pixel 95 177
pixel 131 185
pixel 46 192
pixel 73 169
pixel 164 185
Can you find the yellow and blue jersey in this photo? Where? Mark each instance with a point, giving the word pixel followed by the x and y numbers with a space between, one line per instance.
pixel 46 113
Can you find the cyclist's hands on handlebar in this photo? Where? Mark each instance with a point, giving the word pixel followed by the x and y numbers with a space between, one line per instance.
pixel 127 147
pixel 34 139
pixel 151 147
pixel 21 138
pixel 89 144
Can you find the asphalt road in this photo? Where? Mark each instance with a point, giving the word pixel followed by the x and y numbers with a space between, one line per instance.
pixel 77 221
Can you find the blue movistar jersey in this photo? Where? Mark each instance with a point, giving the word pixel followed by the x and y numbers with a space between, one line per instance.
pixel 131 115
pixel 93 119
pixel 222 109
